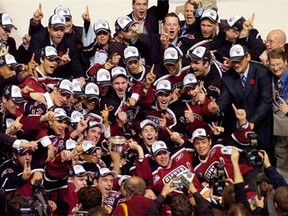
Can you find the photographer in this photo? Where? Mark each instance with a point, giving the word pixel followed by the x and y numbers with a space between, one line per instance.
pixel 240 190
pixel 180 204
pixel 279 184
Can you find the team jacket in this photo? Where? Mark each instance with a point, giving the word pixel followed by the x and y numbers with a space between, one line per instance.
pixel 206 170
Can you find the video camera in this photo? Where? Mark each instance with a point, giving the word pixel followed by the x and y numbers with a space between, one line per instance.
pixel 250 155
pixel 36 205
pixel 218 180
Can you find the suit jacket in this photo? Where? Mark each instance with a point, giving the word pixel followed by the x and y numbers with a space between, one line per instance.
pixel 154 14
pixel 256 100
pixel 41 39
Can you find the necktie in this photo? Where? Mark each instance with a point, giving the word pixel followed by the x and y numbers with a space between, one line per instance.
pixel 243 81
pixel 279 86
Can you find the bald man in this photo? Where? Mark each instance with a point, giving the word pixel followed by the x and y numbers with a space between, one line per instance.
pixel 276 39
pixel 136 202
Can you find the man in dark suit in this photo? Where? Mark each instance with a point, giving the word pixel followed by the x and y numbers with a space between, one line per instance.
pixel 148 17
pixel 54 35
pixel 247 85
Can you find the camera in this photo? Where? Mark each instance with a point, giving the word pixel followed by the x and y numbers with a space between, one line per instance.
pixel 184 178
pixel 250 156
pixel 218 180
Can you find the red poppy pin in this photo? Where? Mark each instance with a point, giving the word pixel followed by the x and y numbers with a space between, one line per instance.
pixel 60 53
pixel 252 82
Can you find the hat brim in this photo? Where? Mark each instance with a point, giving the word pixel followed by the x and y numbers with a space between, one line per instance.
pixel 128 26
pixel 57 25
pixel 14 65
pixel 80 174
pixel 224 24
pixel 118 75
pixel 63 118
pixel 18 99
pixel 66 91
pixel 201 137
pixel 97 124
pixel 209 18
pixel 163 91
pixel 161 149
pixel 194 57
pixel 79 94
pixel 54 57
pixel 237 58
pixel 102 29
pixel 90 97
pixel 171 61
pixel 137 58
pixel 150 123
pixel 189 85
pixel 9 27
pixel 104 83
pixel 114 174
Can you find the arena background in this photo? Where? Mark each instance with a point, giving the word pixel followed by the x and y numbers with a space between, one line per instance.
pixel 269 14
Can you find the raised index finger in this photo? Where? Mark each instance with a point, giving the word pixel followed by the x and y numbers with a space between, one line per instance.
pixel 87 9
pixel 188 107
pixel 252 18
pixel 152 69
pixel 19 118
pixel 234 108
pixel 40 7
pixel 32 57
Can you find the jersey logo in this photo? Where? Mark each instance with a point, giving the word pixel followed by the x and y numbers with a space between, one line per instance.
pixel 174 173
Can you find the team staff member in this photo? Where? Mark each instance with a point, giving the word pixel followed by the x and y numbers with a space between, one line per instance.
pixel 278 66
pixel 249 86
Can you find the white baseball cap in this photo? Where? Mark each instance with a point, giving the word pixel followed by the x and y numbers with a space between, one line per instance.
pixel 6 21
pixel 159 146
pixel 101 25
pixel 76 117
pixel 13 92
pixel 70 144
pixel 91 91
pixel 118 71
pixel 123 23
pixel 189 80
pixel 237 52
pixel 171 55
pixel 103 77
pixel 210 14
pixel 50 53
pixel 63 10
pixel 60 114
pixel 199 133
pixel 57 20
pixel 10 61
pixel 77 170
pixel 105 171
pixel 65 86
pixel 131 53
pixel 164 86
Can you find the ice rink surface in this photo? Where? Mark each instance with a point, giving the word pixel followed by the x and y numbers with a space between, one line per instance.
pixel 269 14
